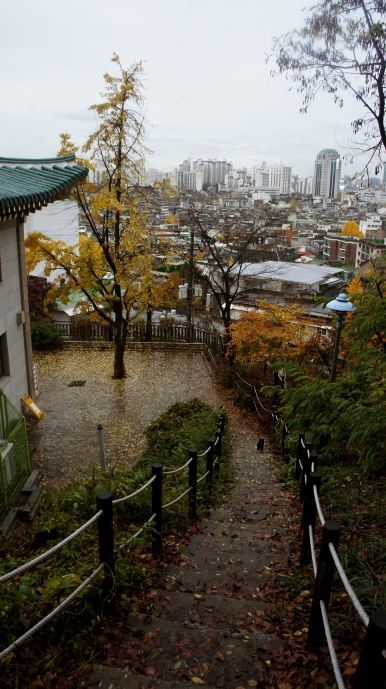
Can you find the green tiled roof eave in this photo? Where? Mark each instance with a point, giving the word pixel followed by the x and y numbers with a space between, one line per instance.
pixel 38 161
pixel 24 189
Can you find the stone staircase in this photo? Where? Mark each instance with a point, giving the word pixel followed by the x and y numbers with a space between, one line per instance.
pixel 207 622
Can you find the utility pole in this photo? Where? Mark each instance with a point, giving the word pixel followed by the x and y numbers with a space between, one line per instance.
pixel 190 290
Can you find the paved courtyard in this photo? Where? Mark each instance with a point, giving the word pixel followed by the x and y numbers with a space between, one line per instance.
pixel 65 441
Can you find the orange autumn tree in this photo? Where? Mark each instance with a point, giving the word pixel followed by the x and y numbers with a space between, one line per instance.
pixel 269 333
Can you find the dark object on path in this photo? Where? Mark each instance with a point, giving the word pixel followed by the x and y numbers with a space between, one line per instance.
pixel 76 384
pixel 260 445
pixel 42 537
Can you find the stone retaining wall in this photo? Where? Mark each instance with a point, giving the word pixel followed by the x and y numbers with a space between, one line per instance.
pixel 95 344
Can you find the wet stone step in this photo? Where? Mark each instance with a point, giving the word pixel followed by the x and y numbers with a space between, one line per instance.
pixel 117 678
pixel 209 579
pixel 174 652
pixel 211 610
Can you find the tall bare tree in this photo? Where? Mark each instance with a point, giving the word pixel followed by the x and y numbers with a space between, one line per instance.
pixel 226 240
pixel 341 49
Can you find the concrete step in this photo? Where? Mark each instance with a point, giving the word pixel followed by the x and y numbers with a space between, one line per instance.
pixel 175 652
pixel 27 511
pixel 8 522
pixel 32 482
pixel 209 610
pixel 117 678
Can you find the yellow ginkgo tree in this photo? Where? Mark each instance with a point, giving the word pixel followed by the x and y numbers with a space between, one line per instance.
pixel 112 265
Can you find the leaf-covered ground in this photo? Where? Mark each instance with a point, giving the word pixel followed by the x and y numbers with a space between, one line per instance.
pixel 65 441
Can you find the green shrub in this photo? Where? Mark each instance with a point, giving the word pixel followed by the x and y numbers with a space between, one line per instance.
pixel 44 334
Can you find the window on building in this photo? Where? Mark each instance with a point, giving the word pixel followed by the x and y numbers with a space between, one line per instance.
pixel 4 360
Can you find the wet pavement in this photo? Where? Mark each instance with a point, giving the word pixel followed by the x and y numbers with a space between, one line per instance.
pixel 77 392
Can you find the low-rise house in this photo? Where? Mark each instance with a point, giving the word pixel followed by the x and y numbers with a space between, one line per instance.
pixel 291 278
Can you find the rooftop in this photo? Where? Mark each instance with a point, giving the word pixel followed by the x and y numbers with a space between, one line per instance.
pixel 27 185
pixel 300 273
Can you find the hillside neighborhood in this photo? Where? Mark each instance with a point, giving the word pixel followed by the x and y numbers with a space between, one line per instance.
pixel 192 354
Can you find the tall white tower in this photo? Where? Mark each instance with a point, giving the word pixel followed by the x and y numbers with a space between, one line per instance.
pixel 327 174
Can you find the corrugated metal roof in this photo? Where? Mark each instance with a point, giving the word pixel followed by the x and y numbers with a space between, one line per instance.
pixel 303 273
pixel 27 185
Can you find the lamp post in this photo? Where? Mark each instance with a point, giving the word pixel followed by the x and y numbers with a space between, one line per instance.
pixel 341 305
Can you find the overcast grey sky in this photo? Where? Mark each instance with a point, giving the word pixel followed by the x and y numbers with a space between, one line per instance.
pixel 208 90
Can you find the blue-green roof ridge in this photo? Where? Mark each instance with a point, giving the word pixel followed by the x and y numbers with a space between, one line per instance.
pixel 38 161
pixel 28 184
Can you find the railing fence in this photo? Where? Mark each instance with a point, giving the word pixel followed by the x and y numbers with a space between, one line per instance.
pixel 105 504
pixel 84 330
pixel 371 669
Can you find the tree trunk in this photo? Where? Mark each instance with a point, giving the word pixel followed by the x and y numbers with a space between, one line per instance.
pixel 149 314
pixel 229 349
pixel 120 346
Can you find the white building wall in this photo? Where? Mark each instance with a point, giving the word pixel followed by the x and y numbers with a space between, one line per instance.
pixel 59 221
pixel 16 384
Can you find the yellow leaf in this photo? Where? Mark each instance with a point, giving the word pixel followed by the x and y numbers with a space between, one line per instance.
pixel 197 680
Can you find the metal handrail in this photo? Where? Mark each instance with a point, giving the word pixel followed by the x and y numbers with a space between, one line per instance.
pixel 24 637
pixel 331 648
pixel 255 405
pixel 318 507
pixel 244 381
pixel 170 472
pixel 349 590
pixel 312 549
pixel 241 389
pixel 203 477
pixel 173 502
pixel 51 551
pixel 117 501
pixel 138 533
pixel 260 402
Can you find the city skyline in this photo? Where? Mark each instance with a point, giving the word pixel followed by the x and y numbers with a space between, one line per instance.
pixel 208 91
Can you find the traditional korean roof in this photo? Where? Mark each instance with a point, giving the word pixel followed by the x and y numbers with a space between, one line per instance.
pixel 27 185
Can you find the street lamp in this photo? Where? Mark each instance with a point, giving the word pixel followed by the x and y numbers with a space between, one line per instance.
pixel 341 305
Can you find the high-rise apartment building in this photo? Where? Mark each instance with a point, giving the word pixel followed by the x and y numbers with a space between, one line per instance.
pixel 261 176
pixel 195 175
pixel 280 177
pixel 327 174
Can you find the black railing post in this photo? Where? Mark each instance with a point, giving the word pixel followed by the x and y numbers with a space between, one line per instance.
pixel 156 507
pixel 209 463
pixel 284 450
pixel 309 516
pixel 222 422
pixel 307 462
pixel 371 670
pixel 193 484
pixel 216 459
pixel 299 455
pixel 104 501
pixel 218 446
pixel 323 582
